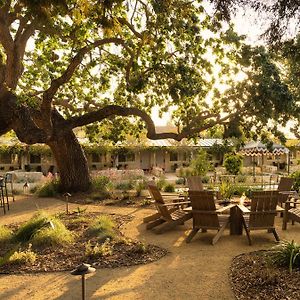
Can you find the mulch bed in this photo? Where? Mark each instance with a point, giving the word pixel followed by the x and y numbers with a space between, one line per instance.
pixel 254 277
pixel 69 256
pixel 136 202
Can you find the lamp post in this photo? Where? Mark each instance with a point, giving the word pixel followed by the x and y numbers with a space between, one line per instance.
pixel 82 270
pixel 67 195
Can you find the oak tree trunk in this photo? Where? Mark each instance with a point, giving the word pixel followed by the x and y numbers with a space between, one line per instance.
pixel 71 162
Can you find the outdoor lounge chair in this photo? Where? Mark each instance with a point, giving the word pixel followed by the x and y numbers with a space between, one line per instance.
pixel 291 212
pixel 261 214
pixel 166 198
pixel 194 183
pixel 285 185
pixel 169 214
pixel 205 214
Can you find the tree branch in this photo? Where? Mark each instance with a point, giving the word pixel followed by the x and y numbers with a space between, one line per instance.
pixel 65 77
pixel 123 21
pixel 5 37
pixel 115 110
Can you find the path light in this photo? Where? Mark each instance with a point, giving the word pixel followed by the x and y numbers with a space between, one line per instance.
pixel 82 270
pixel 67 195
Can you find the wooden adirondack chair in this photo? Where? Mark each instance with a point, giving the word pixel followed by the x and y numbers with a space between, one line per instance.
pixel 261 214
pixel 167 197
pixel 205 214
pixel 285 185
pixel 169 214
pixel 194 183
pixel 291 212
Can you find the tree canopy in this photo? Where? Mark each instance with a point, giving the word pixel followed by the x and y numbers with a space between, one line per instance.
pixel 71 63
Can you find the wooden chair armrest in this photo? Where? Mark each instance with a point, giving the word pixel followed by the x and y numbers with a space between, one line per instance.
pixel 175 203
pixel 204 212
pixel 279 208
pixel 222 209
pixel 244 209
pixel 288 192
pixel 293 202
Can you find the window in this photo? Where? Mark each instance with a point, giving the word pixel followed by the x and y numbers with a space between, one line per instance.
pixel 35 158
pixel 130 157
pixel 185 156
pixel 96 157
pixel 121 157
pixel 173 156
pixel 126 157
pixel 5 158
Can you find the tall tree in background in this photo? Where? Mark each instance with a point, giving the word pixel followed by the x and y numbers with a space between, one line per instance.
pixel 67 64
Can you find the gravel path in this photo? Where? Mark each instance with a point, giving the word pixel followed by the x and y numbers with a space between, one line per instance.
pixel 194 271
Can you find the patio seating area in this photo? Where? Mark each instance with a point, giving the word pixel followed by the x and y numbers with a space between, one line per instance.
pixel 185 264
pixel 207 212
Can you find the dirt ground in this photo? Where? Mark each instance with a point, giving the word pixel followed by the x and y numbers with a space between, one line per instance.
pixel 191 271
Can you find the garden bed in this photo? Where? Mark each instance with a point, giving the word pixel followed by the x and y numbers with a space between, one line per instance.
pixel 253 276
pixel 137 202
pixel 115 252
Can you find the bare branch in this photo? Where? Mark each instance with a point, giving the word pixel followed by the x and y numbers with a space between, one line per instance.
pixel 134 10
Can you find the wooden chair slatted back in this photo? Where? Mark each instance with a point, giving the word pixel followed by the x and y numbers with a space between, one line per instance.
pixel 159 201
pixel 203 202
pixel 195 183
pixel 263 207
pixel 285 184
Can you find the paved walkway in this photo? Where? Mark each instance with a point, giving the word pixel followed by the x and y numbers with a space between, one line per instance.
pixel 194 271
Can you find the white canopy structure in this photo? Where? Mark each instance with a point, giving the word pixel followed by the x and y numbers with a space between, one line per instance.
pixel 257 148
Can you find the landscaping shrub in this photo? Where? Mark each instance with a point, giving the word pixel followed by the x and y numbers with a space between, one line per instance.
pixel 19 257
pixel 124 186
pixel 140 248
pixel 185 172
pixel 146 202
pixel 228 190
pixel 52 233
pixel 161 182
pixel 5 235
pixel 139 186
pixel 233 163
pixel 48 189
pixel 180 181
pixel 97 250
pixel 28 229
pixel 169 188
pixel 205 179
pixel 286 254
pixel 200 164
pixel 43 230
pixel 237 190
pixel 100 183
pixel 101 186
pixel 296 185
pixel 102 227
pixel 241 178
pixel 225 190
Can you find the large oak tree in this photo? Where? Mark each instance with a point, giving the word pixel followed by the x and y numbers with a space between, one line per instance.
pixel 67 64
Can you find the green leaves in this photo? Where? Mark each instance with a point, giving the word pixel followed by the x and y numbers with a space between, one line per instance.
pixel 170 54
